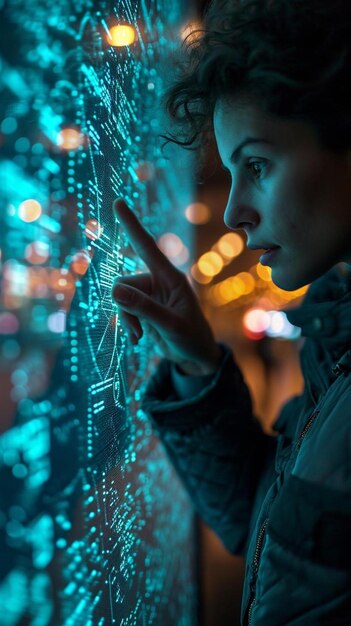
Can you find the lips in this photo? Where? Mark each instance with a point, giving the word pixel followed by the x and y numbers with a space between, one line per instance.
pixel 267 247
pixel 269 256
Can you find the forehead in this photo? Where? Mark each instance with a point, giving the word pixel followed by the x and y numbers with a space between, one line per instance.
pixel 235 111
pixel 236 118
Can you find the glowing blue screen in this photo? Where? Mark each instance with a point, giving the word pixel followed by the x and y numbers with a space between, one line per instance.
pixel 95 527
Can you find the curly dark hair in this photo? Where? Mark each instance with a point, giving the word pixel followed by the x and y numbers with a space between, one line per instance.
pixel 292 56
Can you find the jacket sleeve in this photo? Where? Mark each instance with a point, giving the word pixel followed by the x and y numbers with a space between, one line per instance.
pixel 216 445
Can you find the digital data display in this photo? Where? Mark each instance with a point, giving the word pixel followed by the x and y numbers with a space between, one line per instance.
pixel 95 527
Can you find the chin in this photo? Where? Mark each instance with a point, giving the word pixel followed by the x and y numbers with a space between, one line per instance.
pixel 291 281
pixel 296 278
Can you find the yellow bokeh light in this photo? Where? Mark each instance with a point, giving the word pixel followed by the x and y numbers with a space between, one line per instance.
pixel 29 210
pixel 216 297
pixel 232 288
pixel 121 35
pixel 237 286
pixel 197 213
pixel 228 290
pixel 248 282
pixel 210 263
pixel 230 245
pixel 264 272
pixel 199 276
pixel 69 139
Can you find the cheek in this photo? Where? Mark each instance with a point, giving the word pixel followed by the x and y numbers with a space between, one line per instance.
pixel 297 198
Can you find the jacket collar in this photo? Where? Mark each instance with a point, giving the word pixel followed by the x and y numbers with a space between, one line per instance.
pixel 325 320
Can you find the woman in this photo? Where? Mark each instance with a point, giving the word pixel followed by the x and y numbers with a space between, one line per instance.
pixel 271 80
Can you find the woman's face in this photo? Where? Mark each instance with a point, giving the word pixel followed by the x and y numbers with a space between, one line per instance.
pixel 286 191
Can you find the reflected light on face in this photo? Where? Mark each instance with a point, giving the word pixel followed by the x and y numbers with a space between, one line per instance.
pixel 287 191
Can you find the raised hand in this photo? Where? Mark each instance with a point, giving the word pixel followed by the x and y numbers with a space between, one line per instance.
pixel 163 304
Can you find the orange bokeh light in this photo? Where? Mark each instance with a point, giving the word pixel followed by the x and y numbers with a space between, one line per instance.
pixel 62 281
pixel 197 213
pixel 80 262
pixel 93 229
pixel 29 210
pixel 69 139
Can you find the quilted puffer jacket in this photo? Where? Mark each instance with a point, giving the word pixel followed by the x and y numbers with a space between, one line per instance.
pixel 283 502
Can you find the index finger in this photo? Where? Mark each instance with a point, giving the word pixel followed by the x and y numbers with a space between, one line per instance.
pixel 143 243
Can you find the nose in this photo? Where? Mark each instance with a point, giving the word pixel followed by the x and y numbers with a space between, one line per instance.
pixel 240 214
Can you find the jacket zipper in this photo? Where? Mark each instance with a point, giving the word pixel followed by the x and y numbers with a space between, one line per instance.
pixel 256 561
pixel 261 533
pixel 306 428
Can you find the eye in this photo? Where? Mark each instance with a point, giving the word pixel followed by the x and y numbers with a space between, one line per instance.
pixel 256 167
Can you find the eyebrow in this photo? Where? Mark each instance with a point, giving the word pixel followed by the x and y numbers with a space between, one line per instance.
pixel 236 153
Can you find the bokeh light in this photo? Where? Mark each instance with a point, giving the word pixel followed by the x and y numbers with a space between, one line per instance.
pixel 93 229
pixel 62 283
pixel 37 252
pixel 9 323
pixel 264 272
pixel 29 210
pixel 199 276
pixel 255 323
pixel 145 171
pixel 69 139
pixel 231 289
pixel 170 244
pixel 210 263
pixel 80 262
pixel 229 246
pixel 121 35
pixel 197 213
pixel 57 322
pixel 182 257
